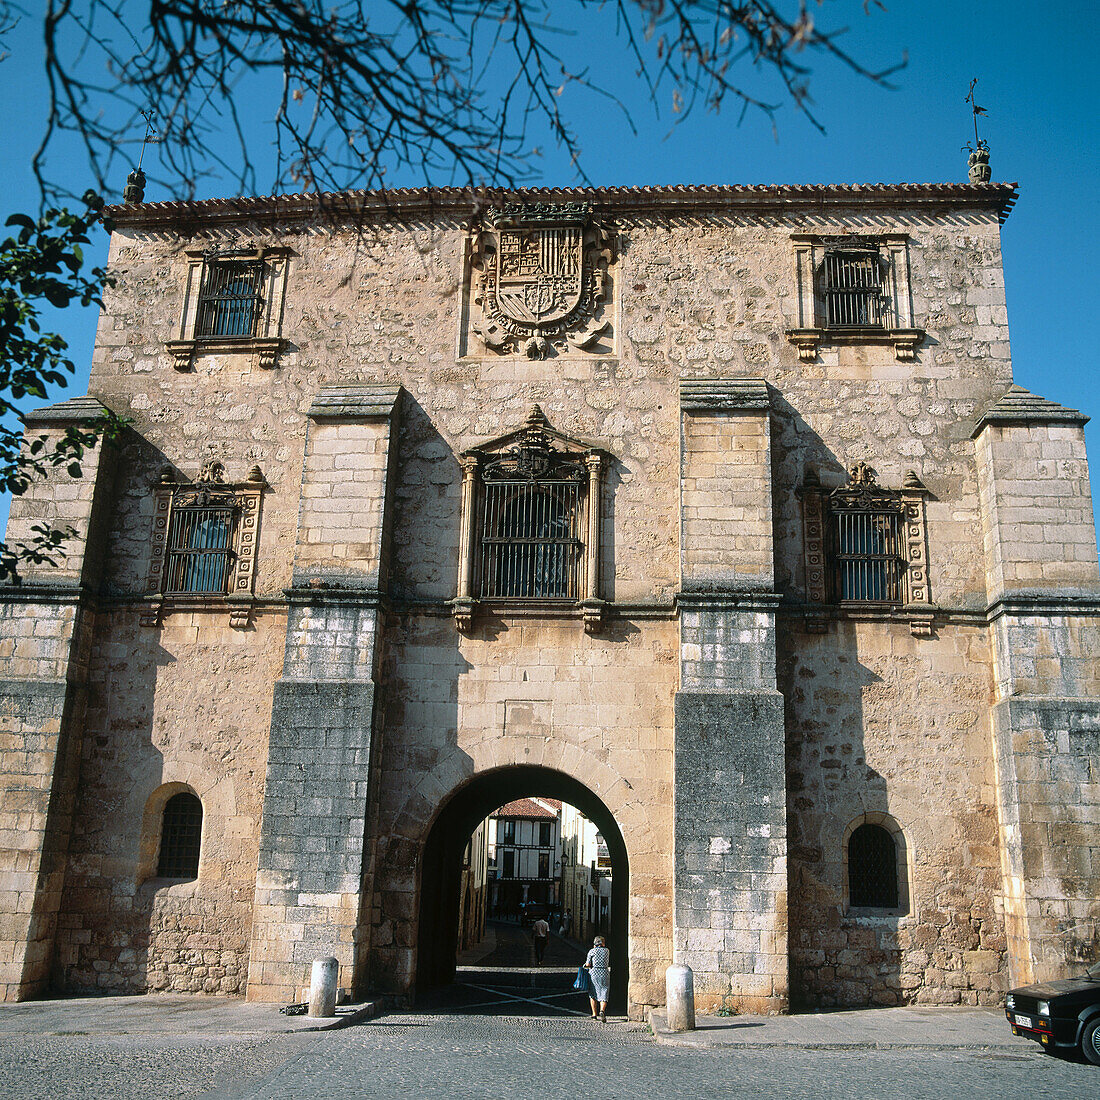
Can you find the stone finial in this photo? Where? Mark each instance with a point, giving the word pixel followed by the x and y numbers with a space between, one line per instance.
pixel 255 474
pixel 134 190
pixel 536 418
pixel 861 475
pixel 912 481
pixel 978 163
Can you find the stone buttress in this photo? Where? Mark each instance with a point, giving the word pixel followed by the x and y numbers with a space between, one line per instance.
pixel 1043 587
pixel 45 633
pixel 310 876
pixel 730 877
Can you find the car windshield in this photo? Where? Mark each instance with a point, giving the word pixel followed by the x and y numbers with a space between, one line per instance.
pixel 1094 971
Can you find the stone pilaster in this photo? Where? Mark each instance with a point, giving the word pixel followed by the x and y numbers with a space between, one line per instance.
pixel 730 877
pixel 309 881
pixel 45 626
pixel 1043 586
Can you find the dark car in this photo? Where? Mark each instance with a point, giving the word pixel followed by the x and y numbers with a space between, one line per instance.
pixel 1062 1015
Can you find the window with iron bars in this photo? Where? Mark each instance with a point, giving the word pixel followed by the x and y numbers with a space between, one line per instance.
pixel 231 297
pixel 180 837
pixel 200 548
pixel 530 540
pixel 868 556
pixel 852 289
pixel 872 868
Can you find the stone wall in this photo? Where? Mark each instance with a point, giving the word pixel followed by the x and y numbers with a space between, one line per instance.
pixel 184 706
pixel 882 723
pixel 873 722
pixel 535 693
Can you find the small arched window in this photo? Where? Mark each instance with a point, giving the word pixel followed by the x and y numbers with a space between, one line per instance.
pixel 872 869
pixel 180 836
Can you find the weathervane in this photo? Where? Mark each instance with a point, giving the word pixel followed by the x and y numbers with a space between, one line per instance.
pixel 135 181
pixel 978 161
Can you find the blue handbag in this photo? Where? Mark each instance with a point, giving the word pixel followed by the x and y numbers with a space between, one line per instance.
pixel 581 982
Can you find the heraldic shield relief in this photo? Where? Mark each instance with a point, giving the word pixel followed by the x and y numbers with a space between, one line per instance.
pixel 539 281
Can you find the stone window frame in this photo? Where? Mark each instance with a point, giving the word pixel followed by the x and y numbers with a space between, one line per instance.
pixel 266 340
pixel 535 441
pixel 245 497
pixel 813 331
pixel 152 831
pixel 903 851
pixel 819 504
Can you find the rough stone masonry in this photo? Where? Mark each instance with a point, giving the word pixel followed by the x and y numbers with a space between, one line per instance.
pixel 714 510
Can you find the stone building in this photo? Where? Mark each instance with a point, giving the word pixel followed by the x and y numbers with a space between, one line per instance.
pixel 711 511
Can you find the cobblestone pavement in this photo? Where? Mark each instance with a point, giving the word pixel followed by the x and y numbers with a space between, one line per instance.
pixel 477 1057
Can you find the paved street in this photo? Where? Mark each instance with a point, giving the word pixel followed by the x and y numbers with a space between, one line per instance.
pixel 513 1031
pixel 513 1058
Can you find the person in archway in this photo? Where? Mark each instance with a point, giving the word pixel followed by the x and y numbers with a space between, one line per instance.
pixel 598 965
pixel 541 930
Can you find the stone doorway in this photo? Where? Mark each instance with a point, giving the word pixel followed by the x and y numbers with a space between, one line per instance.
pixel 438 918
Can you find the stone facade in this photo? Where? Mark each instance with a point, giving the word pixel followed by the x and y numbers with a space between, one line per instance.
pixel 351 707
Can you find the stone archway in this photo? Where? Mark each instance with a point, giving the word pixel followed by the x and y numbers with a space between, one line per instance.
pixel 437 933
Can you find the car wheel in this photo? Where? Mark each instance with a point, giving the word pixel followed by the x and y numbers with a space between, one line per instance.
pixel 1090 1041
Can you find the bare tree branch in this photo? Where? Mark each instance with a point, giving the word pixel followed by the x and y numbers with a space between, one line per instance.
pixel 356 88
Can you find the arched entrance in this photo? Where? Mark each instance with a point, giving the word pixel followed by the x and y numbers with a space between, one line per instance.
pixel 441 867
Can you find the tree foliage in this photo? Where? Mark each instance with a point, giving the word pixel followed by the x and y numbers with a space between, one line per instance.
pixel 352 89
pixel 42 262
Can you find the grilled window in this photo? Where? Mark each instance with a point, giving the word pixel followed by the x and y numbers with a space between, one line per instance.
pixel 544 833
pixel 872 868
pixel 869 563
pixel 200 548
pixel 180 836
pixel 544 864
pixel 509 868
pixel 530 544
pixel 852 289
pixel 229 304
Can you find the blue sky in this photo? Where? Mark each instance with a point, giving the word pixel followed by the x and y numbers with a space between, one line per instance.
pixel 1036 68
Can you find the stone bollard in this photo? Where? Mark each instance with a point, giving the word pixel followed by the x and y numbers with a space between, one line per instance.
pixel 680 998
pixel 322 987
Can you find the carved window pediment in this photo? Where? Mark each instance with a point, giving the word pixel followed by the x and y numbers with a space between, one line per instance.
pixel 530 523
pixel 866 547
pixel 203 544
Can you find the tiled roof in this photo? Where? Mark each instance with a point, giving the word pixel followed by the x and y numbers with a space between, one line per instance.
pixel 528 807
pixel 681 198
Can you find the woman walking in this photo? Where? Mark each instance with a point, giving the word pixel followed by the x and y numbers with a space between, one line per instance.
pixel 598 965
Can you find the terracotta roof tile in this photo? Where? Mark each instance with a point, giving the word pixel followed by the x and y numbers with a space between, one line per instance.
pixel 465 201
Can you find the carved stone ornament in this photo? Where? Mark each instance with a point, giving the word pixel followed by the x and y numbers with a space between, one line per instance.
pixel 209 488
pixel 539 277
pixel 863 492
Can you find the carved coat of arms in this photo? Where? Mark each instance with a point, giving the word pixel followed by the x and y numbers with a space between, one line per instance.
pixel 540 279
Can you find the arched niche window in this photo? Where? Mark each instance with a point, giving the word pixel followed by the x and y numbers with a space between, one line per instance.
pixel 876 865
pixel 180 837
pixel 531 524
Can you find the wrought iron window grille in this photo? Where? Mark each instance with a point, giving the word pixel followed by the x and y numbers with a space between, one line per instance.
pixel 180 837
pixel 872 869
pixel 866 547
pixel 231 299
pixel 851 288
pixel 204 543
pixel 530 524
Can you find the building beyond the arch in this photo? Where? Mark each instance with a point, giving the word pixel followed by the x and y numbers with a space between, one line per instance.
pixel 718 501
